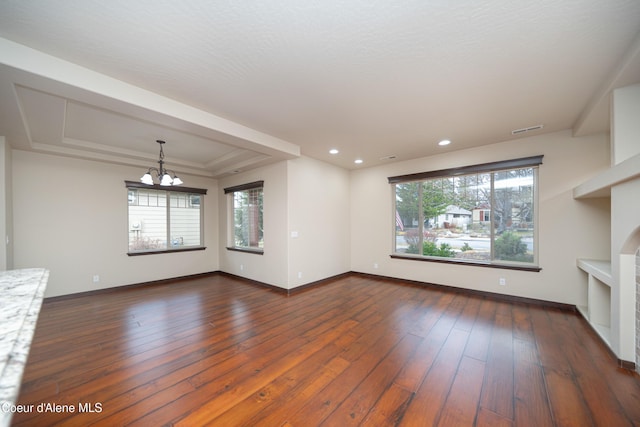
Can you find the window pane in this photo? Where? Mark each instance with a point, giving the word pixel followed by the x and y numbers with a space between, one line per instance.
pixel 247 214
pixel 147 220
pixel 438 197
pixel 513 215
pixel 475 197
pixel 481 217
pixel 185 221
pixel 407 234
pixel 154 213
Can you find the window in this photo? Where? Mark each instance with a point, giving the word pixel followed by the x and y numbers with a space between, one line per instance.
pixel 163 220
pixel 245 217
pixel 483 214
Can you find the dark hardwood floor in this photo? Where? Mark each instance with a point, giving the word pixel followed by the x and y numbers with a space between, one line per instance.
pixel 355 351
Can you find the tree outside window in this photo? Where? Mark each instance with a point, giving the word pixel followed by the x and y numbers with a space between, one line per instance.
pixel 483 216
pixel 246 212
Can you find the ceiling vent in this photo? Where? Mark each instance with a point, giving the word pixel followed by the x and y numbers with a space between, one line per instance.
pixel 392 157
pixel 525 130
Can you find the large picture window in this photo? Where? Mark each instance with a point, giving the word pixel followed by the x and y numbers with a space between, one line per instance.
pixel 162 220
pixel 246 213
pixel 482 214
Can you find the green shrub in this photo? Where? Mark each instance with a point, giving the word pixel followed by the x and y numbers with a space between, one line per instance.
pixel 510 247
pixel 412 237
pixel 431 249
pixel 411 249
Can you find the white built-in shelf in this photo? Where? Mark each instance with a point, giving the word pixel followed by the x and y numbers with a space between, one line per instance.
pixel 603 331
pixel 600 185
pixel 598 308
pixel 599 269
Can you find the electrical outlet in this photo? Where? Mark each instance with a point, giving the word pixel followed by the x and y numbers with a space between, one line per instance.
pixel 241 267
pixel 96 278
pixel 502 281
pixel 375 265
pixel 299 274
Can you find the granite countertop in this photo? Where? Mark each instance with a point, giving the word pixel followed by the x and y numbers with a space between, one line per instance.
pixel 21 294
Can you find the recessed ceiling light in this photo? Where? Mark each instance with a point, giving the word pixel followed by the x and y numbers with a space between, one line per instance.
pixel 357 161
pixel 334 151
pixel 444 142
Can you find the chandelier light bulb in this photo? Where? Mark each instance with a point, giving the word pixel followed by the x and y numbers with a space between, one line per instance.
pixel 147 179
pixel 166 180
pixel 164 175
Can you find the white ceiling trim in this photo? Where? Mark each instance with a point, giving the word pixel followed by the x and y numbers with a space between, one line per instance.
pixel 140 103
pixel 177 163
pixel 108 158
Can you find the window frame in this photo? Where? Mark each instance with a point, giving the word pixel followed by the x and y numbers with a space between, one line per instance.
pixel 484 168
pixel 231 223
pixel 167 190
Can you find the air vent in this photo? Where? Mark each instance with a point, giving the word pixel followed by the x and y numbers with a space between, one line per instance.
pixel 388 158
pixel 525 130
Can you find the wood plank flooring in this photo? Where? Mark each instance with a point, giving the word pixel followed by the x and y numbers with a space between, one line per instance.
pixel 218 350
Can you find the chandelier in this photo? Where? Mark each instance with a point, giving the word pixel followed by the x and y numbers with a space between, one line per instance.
pixel 163 175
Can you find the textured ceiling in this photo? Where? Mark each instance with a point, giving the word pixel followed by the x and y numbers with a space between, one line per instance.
pixel 371 78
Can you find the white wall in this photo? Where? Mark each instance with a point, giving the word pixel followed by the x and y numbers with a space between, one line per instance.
pixel 625 238
pixel 271 267
pixel 70 216
pixel 567 230
pixel 319 206
pixel 343 219
pixel 625 226
pixel 305 196
pixel 625 123
pixel 6 220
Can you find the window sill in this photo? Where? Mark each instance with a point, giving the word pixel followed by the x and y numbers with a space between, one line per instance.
pixel 246 250
pixel 167 251
pixel 473 264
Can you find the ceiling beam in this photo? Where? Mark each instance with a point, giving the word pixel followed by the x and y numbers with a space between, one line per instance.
pixel 111 92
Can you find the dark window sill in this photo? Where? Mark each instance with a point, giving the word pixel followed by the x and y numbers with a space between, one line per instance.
pixel 167 251
pixel 473 264
pixel 246 250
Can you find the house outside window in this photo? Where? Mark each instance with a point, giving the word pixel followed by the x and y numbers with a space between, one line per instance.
pixel 483 214
pixel 246 217
pixel 163 220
